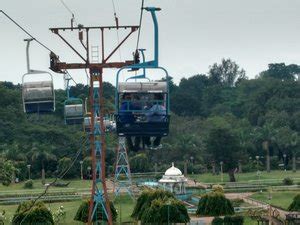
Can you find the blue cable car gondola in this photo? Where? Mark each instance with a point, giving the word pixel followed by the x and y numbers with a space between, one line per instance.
pixel 38 94
pixel 142 108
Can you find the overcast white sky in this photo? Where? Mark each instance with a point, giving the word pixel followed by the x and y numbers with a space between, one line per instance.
pixel 193 33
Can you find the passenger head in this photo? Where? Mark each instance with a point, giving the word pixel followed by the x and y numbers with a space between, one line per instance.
pixel 127 96
pixel 158 96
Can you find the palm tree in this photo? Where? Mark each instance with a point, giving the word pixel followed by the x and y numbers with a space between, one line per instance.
pixel 288 140
pixel 295 140
pixel 266 135
pixel 42 157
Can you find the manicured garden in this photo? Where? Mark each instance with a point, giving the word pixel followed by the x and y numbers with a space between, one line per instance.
pixel 124 210
pixel 251 177
pixel 280 199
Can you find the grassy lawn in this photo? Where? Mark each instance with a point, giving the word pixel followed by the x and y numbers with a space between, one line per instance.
pixel 249 221
pixel 37 184
pixel 281 199
pixel 124 205
pixel 70 208
pixel 246 177
pixel 126 208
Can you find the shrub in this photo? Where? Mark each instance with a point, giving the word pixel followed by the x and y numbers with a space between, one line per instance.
pixel 237 202
pixel 59 215
pixel 145 199
pixel 27 213
pixel 165 210
pixel 217 221
pixel 233 220
pixel 82 213
pixel 214 204
pixel 218 188
pixel 288 181
pixel 28 184
pixel 295 205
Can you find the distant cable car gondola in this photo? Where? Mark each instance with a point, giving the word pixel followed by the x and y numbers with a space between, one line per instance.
pixel 37 92
pixel 73 111
pixel 73 107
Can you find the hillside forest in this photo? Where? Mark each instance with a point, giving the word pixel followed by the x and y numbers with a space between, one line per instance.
pixel 221 117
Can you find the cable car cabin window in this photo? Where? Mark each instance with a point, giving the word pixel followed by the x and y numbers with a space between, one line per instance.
pixel 74 111
pixel 38 96
pixel 143 109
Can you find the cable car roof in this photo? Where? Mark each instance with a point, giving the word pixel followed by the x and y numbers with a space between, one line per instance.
pixel 154 86
pixel 35 84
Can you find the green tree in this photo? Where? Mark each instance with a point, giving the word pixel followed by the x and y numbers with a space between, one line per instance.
pixel 295 205
pixel 27 213
pixel 140 163
pixel 41 158
pixel 64 164
pixel 281 71
pixel 266 135
pixel 144 201
pixel 226 73
pixel 224 146
pixel 166 210
pixel 214 204
pixel 83 213
pixel 7 170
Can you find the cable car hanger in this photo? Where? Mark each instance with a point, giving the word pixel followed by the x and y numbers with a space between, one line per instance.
pixel 37 96
pixel 152 64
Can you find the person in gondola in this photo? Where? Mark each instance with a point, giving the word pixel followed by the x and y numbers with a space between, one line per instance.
pixel 157 113
pixel 125 114
pixel 129 103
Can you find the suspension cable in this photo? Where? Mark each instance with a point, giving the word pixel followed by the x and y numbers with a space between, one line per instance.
pixel 140 25
pixel 69 10
pixel 117 25
pixel 25 31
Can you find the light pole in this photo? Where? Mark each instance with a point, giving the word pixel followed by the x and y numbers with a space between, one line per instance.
pixel 257 158
pixel 192 161
pixel 258 172
pixel 168 204
pixel 81 170
pixel 28 167
pixel 284 162
pixel 222 178
pixel 89 171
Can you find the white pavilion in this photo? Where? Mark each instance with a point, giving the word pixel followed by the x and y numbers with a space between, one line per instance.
pixel 173 180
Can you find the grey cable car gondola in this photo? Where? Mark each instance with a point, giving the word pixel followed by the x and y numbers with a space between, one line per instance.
pixel 38 95
pixel 74 111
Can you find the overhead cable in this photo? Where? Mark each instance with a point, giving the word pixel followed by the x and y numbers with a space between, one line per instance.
pixel 140 25
pixel 25 31
pixel 69 10
pixel 117 25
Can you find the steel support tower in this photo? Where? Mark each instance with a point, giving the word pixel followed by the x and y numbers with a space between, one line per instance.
pixel 122 180
pixel 99 196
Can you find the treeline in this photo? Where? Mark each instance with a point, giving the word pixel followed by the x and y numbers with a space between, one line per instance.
pixel 219 117
pixel 225 118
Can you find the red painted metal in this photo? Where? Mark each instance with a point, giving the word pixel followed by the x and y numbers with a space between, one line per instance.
pixel 58 66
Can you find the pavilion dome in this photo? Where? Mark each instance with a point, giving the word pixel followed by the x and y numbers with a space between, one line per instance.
pixel 173 171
